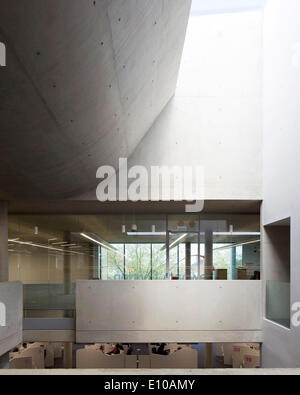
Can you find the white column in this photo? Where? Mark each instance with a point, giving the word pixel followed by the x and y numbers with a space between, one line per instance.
pixel 3 242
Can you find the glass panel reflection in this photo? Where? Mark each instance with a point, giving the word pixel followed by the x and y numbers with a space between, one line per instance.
pixel 278 302
pixel 50 253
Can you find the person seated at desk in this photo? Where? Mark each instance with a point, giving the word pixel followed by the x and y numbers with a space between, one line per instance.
pixel 161 350
pixel 117 349
pixel 130 350
pixel 256 276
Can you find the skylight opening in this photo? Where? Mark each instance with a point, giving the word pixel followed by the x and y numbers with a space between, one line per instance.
pixel 205 7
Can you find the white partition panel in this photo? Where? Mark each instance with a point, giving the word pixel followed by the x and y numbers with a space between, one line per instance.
pixel 183 359
pixel 170 311
pixel 11 315
pixel 93 359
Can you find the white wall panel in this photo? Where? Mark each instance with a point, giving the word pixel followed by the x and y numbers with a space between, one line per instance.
pixel 215 119
pixel 167 308
pixel 281 189
pixel 11 295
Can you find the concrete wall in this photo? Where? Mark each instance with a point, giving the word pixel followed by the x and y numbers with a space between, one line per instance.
pixel 11 295
pixel 214 120
pixel 169 311
pixel 282 161
pixel 85 80
pixel 277 245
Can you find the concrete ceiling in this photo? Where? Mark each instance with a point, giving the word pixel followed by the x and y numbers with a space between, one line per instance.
pixel 84 82
pixel 94 207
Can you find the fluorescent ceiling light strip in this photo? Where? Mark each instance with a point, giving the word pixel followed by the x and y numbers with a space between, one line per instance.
pixel 146 233
pixel 237 233
pixel 27 243
pixel 237 245
pixel 98 242
pixel 215 233
pixel 178 240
